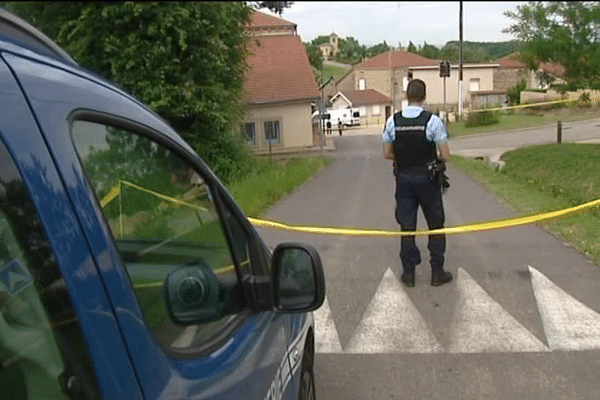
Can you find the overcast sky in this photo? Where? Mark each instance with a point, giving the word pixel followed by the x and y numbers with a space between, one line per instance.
pixel 372 22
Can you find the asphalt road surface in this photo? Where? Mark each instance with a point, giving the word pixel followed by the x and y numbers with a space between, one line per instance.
pixel 521 320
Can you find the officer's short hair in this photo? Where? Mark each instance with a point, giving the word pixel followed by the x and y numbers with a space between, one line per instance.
pixel 415 92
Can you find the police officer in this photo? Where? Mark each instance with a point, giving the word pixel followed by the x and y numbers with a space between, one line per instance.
pixel 414 138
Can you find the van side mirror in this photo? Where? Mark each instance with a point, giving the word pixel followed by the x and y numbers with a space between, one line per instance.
pixel 192 295
pixel 298 279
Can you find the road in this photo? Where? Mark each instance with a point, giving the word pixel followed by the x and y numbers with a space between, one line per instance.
pixel 520 320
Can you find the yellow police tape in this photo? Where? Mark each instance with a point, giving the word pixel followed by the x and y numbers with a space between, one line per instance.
pixel 476 227
pixel 522 106
pixel 321 230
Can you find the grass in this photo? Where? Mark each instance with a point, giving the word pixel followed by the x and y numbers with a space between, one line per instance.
pixel 526 119
pixel 332 70
pixel 546 178
pixel 270 182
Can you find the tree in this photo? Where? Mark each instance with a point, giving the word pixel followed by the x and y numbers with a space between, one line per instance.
pixel 315 58
pixel 377 49
pixel 320 40
pixel 566 33
pixel 350 50
pixel 429 51
pixel 274 6
pixel 186 60
pixel 411 48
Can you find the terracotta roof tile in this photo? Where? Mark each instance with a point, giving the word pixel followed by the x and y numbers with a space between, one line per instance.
pixel 260 20
pixel 510 61
pixel 365 97
pixel 396 59
pixel 279 71
pixel 514 61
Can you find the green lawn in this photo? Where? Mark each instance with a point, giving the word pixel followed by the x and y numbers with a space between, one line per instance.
pixel 547 178
pixel 526 119
pixel 330 70
pixel 271 182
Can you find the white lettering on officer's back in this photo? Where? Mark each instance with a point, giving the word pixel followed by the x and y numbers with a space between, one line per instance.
pixel 410 128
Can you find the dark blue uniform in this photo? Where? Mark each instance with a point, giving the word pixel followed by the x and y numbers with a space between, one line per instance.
pixel 414 188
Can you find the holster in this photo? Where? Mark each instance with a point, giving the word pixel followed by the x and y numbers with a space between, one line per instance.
pixel 436 170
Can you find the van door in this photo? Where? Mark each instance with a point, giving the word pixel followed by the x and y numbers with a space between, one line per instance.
pixel 160 223
pixel 59 337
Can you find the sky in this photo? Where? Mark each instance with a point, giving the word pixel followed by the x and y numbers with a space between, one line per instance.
pixel 373 22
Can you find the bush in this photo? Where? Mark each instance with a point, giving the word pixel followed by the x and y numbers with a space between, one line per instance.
pixel 514 93
pixel 584 100
pixel 482 118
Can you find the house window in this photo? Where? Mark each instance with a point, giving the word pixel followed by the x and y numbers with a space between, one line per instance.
pixel 376 110
pixel 249 132
pixel 362 84
pixel 362 110
pixel 272 132
pixel 474 84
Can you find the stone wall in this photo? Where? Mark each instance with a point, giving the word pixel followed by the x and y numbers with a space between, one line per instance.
pixel 553 95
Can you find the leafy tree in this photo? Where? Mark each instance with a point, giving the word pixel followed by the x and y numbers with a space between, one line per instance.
pixel 315 56
pixel 566 33
pixel 275 6
pixel 186 60
pixel 377 49
pixel 350 51
pixel 320 40
pixel 411 48
pixel 429 51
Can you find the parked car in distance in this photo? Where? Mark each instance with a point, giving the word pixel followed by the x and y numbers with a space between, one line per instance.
pixel 347 117
pixel 127 270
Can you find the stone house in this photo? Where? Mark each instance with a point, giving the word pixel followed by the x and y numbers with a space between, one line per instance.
pixel 280 87
pixel 387 73
pixel 511 70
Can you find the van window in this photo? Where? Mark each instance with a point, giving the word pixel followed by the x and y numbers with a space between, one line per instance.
pixel 164 220
pixel 42 351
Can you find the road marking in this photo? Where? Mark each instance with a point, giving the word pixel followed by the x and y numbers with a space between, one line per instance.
pixel 392 324
pixel 481 325
pixel 327 339
pixel 568 323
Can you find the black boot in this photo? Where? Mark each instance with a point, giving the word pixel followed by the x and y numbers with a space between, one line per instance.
pixel 439 278
pixel 408 278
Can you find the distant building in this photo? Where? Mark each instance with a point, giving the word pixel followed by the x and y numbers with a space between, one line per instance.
pixel 387 73
pixel 370 103
pixel 330 49
pixel 512 70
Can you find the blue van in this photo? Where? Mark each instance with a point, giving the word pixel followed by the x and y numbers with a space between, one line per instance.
pixel 127 271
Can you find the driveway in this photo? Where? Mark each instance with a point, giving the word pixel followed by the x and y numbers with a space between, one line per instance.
pixel 520 320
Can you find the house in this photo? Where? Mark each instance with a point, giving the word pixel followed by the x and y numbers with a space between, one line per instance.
pixel 387 73
pixel 279 88
pixel 370 103
pixel 330 49
pixel 477 85
pixel 512 70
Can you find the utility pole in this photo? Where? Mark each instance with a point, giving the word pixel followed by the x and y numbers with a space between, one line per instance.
pixel 460 65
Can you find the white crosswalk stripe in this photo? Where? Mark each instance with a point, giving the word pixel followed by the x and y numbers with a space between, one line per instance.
pixel 392 323
pixel 568 323
pixel 404 330
pixel 481 325
pixel 327 339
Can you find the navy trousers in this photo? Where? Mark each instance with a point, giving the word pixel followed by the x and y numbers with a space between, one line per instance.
pixel 414 189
